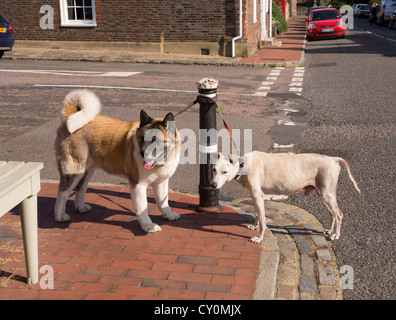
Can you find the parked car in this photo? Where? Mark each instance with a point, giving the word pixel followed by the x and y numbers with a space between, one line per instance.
pixel 392 21
pixel 325 23
pixel 6 38
pixel 315 8
pixel 356 7
pixel 385 11
pixel 363 11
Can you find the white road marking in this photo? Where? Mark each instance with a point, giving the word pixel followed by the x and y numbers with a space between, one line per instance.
pixel 75 73
pixel 275 145
pixel 134 88
pixel 294 89
pixel 119 74
pixel 261 94
pixel 297 80
pixel 110 87
pixel 274 197
pixel 286 123
pixel 295 84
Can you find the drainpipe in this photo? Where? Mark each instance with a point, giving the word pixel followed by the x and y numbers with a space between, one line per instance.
pixel 240 30
pixel 263 13
pixel 270 16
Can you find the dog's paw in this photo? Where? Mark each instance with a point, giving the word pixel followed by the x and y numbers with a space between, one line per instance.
pixel 256 239
pixel 171 216
pixel 334 236
pixel 62 218
pixel 151 228
pixel 84 208
pixel 251 226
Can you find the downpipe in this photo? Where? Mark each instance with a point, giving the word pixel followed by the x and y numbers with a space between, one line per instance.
pixel 240 30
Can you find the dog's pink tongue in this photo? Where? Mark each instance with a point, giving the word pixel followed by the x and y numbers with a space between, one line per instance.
pixel 148 165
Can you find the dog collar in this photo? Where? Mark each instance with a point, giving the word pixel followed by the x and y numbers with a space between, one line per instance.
pixel 244 167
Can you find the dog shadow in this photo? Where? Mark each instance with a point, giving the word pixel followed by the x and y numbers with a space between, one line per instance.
pixel 117 211
pixel 114 208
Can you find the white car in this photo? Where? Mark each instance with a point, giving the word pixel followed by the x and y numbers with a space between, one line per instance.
pixel 385 11
pixel 363 11
pixel 356 6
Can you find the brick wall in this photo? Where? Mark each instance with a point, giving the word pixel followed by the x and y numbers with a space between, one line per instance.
pixel 129 20
pixel 251 29
pixel 138 21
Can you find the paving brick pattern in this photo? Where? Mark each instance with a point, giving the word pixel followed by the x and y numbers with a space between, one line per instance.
pixel 105 255
pixel 307 268
pixel 289 53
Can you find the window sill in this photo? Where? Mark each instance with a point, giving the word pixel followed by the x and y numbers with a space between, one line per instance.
pixel 82 25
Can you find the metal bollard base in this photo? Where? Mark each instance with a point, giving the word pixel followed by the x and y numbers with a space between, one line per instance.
pixel 217 209
pixel 209 200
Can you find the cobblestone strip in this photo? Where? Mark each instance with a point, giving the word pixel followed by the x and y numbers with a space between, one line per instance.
pixel 307 267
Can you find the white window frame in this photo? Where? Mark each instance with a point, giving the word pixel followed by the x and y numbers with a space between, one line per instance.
pixel 254 11
pixel 65 22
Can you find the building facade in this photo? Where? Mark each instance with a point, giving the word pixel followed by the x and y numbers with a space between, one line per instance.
pixel 179 26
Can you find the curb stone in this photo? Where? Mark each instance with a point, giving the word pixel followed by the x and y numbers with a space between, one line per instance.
pixel 307 267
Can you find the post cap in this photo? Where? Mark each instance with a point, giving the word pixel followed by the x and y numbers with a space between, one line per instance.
pixel 207 84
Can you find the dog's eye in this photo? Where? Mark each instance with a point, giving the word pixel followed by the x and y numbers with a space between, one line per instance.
pixel 224 172
pixel 214 170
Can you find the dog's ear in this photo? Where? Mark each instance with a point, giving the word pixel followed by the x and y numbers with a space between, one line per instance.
pixel 219 156
pixel 145 119
pixel 233 158
pixel 168 117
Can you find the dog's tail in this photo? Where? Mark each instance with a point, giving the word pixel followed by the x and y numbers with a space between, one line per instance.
pixel 349 172
pixel 79 108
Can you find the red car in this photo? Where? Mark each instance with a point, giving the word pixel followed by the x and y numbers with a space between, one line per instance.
pixel 325 23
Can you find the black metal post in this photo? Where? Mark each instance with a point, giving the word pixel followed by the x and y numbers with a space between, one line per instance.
pixel 208 196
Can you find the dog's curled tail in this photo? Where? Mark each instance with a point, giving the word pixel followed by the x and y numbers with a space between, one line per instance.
pixel 349 172
pixel 79 108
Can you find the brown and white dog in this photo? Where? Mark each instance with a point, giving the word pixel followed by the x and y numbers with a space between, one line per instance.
pixel 87 140
pixel 284 174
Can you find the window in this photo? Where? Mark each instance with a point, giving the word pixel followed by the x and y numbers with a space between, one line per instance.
pixel 78 13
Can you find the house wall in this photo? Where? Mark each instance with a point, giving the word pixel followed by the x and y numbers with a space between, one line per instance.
pixel 252 29
pixel 204 22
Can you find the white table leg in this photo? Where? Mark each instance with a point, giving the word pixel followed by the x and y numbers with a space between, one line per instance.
pixel 28 212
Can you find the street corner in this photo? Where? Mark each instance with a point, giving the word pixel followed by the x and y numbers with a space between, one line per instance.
pixel 306 264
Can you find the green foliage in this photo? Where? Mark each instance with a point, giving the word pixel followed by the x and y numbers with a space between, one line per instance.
pixel 278 18
pixel 338 3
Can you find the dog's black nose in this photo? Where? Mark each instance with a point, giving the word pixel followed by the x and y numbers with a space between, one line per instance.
pixel 214 185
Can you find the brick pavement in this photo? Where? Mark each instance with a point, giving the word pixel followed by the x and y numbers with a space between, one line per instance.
pixel 105 255
pixel 290 53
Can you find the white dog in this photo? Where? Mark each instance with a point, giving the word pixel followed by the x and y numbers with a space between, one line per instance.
pixel 284 174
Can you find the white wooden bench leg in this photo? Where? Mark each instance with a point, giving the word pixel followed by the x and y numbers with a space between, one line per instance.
pixel 28 212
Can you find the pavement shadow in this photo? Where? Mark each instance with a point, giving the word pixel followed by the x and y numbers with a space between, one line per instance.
pixel 119 212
